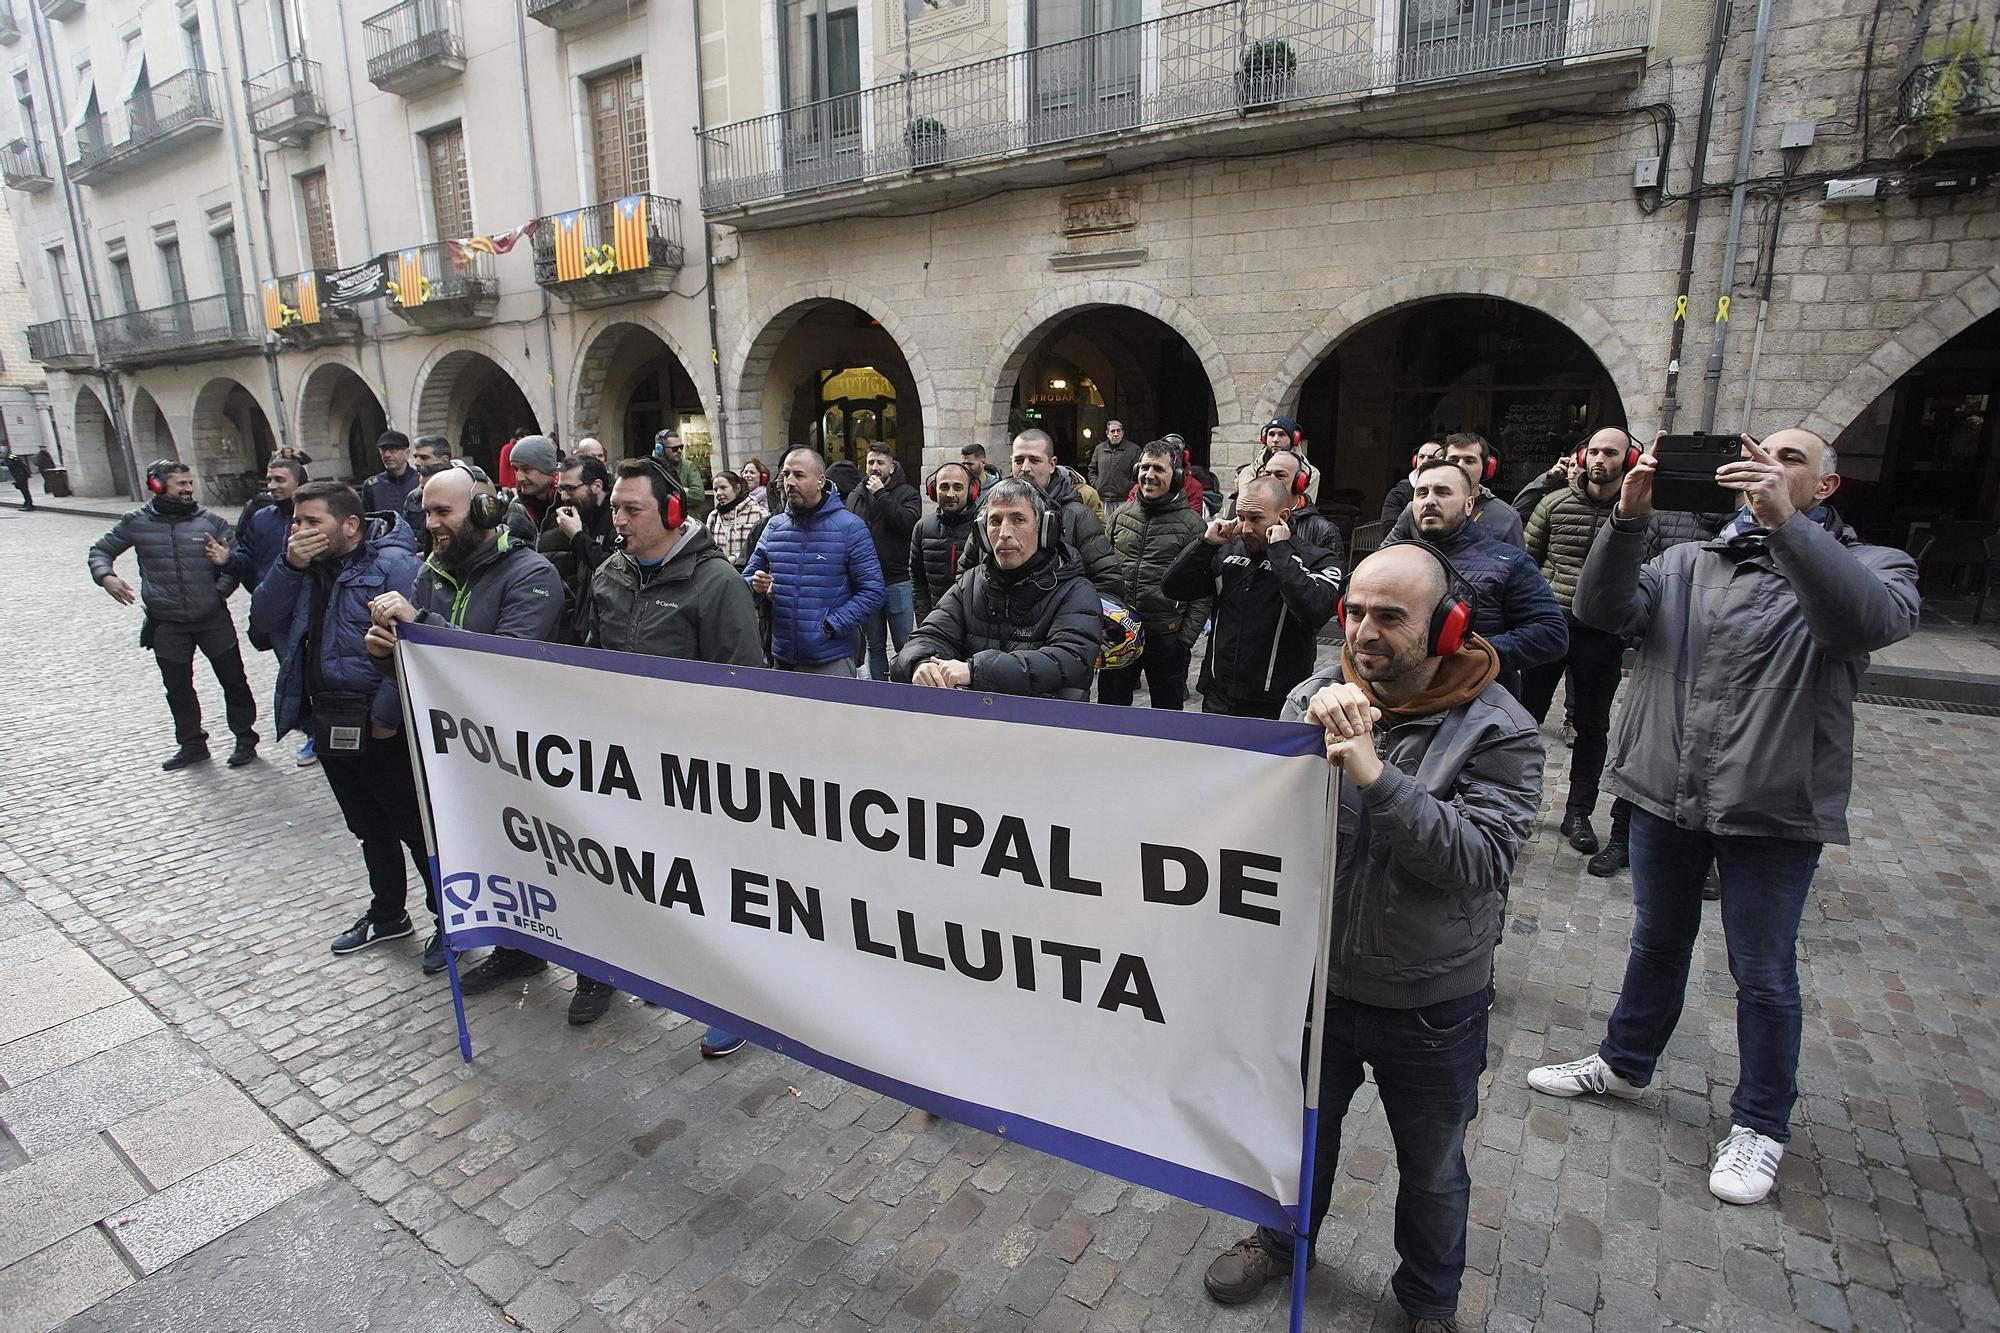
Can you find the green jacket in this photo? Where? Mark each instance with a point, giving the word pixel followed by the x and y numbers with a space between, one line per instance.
pixel 1147 535
pixel 1560 532
pixel 696 486
pixel 694 605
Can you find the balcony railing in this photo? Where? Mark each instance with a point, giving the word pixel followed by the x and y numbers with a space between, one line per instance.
pixel 21 166
pixel 157 118
pixel 572 15
pixel 1953 100
pixel 193 330
pixel 59 344
pixel 1222 60
pixel 285 105
pixel 293 311
pixel 439 286
pixel 416 45
pixel 10 28
pixel 617 250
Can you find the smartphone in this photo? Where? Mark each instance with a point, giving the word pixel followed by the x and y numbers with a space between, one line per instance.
pixel 1685 478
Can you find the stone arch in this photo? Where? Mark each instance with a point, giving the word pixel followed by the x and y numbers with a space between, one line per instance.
pixel 152 436
pixel 1281 394
pixel 996 384
pixel 229 437
pixel 619 350
pixel 438 407
pixel 97 466
pixel 1952 314
pixel 764 333
pixel 337 406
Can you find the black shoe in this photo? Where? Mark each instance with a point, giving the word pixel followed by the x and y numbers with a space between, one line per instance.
pixel 369 931
pixel 1576 827
pixel 498 968
pixel 435 954
pixel 244 753
pixel 1614 858
pixel 195 753
pixel 591 1001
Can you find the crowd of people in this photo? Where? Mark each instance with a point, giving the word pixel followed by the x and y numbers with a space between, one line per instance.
pixel 1733 751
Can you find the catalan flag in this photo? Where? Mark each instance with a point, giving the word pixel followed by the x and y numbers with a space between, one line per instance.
pixel 410 285
pixel 628 235
pixel 309 298
pixel 274 305
pixel 569 246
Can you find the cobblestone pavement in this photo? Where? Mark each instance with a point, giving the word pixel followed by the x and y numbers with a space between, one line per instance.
pixel 609 1178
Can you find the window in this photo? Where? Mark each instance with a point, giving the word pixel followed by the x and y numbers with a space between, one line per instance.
pixel 59 276
pixel 617 103
pixel 170 264
pixel 317 206
pixel 24 106
pixel 121 277
pixel 822 49
pixel 232 278
pixel 191 38
pixel 451 190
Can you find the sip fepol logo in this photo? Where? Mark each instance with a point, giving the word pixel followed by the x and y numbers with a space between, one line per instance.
pixel 473 899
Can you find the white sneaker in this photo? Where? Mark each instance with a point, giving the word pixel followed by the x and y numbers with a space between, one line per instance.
pixel 1589 1074
pixel 1746 1166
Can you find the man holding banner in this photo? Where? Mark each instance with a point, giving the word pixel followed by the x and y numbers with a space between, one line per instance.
pixel 1441 780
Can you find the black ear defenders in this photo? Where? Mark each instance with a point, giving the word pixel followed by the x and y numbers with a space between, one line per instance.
pixel 483 511
pixel 1451 621
pixel 157 473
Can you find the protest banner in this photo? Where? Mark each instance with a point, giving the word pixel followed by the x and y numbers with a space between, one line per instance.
pixel 1090 930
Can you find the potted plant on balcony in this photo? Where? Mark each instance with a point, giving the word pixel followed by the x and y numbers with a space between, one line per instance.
pixel 1266 75
pixel 925 137
pixel 1948 84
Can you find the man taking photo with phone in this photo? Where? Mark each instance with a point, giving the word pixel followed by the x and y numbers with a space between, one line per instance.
pixel 1735 747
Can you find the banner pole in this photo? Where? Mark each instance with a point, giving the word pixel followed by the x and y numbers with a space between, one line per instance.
pixel 430 849
pixel 1302 1240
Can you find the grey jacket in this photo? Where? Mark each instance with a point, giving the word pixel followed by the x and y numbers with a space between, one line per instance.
pixel 1740 715
pixel 176 582
pixel 1420 886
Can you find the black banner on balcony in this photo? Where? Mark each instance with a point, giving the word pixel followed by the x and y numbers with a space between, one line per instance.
pixel 366 281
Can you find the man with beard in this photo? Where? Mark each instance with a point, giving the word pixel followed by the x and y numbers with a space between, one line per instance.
pixel 669 591
pixel 1272 590
pixel 1494 516
pixel 1441 777
pixel 478 578
pixel 1516 612
pixel 429 454
pixel 1079 529
pixel 261 539
pixel 1148 533
pixel 817 564
pixel 1025 621
pixel 670 449
pixel 1560 532
pixel 314 607
pixel 942 534
pixel 385 492
pixel 582 536
pixel 186 605
pixel 890 506
pixel 1114 466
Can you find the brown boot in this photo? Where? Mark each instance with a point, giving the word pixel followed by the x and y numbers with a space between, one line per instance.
pixel 1247 1268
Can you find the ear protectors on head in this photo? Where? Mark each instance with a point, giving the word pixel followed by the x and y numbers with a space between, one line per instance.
pixel 1051 532
pixel 1631 452
pixel 971 482
pixel 157 473
pixel 1302 480
pixel 674 510
pixel 485 511
pixel 1451 619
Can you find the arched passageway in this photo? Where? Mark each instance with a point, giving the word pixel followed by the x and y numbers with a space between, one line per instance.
pixel 232 441
pixel 340 418
pixel 472 400
pixel 826 374
pixel 1103 363
pixel 630 385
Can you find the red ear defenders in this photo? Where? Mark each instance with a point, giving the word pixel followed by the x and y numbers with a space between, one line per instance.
pixel 971 482
pixel 1302 479
pixel 1451 621
pixel 1631 452
pixel 673 510
pixel 157 473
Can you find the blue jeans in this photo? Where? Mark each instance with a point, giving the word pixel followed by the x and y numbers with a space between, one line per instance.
pixel 894 621
pixel 1764 887
pixel 1427 1065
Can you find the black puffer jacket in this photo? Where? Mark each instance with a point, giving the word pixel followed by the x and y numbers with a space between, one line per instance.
pixel 891 513
pixel 1081 532
pixel 940 538
pixel 176 582
pixel 1269 609
pixel 1560 533
pixel 1033 631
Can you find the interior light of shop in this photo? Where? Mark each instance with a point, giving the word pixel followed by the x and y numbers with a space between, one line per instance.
pixel 1058 384
pixel 1086 432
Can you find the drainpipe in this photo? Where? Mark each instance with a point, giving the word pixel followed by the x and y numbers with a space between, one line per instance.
pixel 1764 296
pixel 373 314
pixel 263 208
pixel 535 204
pixel 1717 26
pixel 1712 373
pixel 720 430
pixel 38 24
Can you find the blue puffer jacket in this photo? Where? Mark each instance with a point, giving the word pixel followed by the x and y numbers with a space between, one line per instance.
pixel 260 540
pixel 386 561
pixel 826 580
pixel 1517 611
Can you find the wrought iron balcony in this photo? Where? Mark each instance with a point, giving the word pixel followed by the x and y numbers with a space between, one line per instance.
pixel 21 166
pixel 61 9
pixel 285 105
pixel 1253 70
pixel 1952 100
pixel 438 286
pixel 417 45
pixel 60 345
pixel 619 250
pixel 157 121
pixel 293 311
pixel 575 15
pixel 196 330
pixel 10 28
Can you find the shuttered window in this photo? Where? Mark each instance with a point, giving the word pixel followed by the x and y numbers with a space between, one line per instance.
pixel 617 103
pixel 318 207
pixel 451 190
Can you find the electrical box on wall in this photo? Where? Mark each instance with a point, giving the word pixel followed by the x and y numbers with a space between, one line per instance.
pixel 1646 173
pixel 1853 191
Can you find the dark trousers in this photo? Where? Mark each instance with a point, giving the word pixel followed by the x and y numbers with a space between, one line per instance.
pixel 1165 666
pixel 1214 701
pixel 1427 1064
pixel 27 496
pixel 377 794
pixel 1593 663
pixel 174 644
pixel 1764 887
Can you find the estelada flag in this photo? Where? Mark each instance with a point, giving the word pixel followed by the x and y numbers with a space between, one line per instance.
pixel 274 305
pixel 569 246
pixel 628 235
pixel 410 283
pixel 309 298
